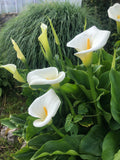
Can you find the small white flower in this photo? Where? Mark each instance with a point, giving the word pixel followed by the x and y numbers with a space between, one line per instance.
pixel 114 12
pixel 88 41
pixel 48 75
pixel 44 108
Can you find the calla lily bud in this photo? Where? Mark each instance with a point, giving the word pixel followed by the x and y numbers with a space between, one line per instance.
pixel 44 108
pixel 19 53
pixel 88 41
pixel 114 13
pixel 43 76
pixel 13 69
pixel 44 41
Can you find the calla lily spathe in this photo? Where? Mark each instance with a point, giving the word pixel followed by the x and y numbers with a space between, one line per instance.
pixel 19 53
pixel 48 75
pixel 45 44
pixel 114 13
pixel 13 69
pixel 88 41
pixel 44 108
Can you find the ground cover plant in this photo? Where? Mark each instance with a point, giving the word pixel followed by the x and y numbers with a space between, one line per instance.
pixel 25 29
pixel 75 113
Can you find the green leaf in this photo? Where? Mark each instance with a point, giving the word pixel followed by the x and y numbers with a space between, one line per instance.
pixel 86 92
pixel 68 123
pixel 8 123
pixel 106 115
pixel 73 89
pixel 117 156
pixel 72 158
pixel 97 68
pixel 78 118
pixel 82 109
pixel 95 57
pixel 24 154
pixel 89 157
pixel 69 145
pixel 115 94
pixel 111 144
pixel 19 119
pixel 114 125
pixel 30 129
pixel 106 57
pixel 74 130
pixel 79 76
pixel 54 32
pixel 39 140
pixel 43 87
pixel 104 80
pixel 91 144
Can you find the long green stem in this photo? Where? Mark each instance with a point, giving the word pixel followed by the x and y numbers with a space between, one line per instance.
pixel 94 94
pixel 118 27
pixel 57 131
pixel 61 57
pixel 114 59
pixel 69 103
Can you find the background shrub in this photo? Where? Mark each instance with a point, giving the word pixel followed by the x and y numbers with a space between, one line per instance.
pixel 68 20
pixel 100 8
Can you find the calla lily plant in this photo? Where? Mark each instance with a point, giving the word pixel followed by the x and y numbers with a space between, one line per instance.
pixel 88 41
pixel 88 121
pixel 44 108
pixel 48 75
pixel 114 13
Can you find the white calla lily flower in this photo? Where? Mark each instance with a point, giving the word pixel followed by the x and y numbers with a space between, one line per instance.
pixel 114 13
pixel 88 41
pixel 44 108
pixel 13 69
pixel 43 76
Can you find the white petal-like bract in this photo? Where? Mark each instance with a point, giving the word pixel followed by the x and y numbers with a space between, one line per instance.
pixel 44 108
pixel 114 12
pixel 48 75
pixel 97 37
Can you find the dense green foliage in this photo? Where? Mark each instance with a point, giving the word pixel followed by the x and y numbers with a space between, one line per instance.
pixel 6 82
pixel 87 124
pixel 67 19
pixel 100 8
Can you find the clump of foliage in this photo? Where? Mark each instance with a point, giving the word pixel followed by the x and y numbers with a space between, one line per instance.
pixel 100 8
pixel 75 114
pixel 67 19
pixel 6 82
pixel 87 124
